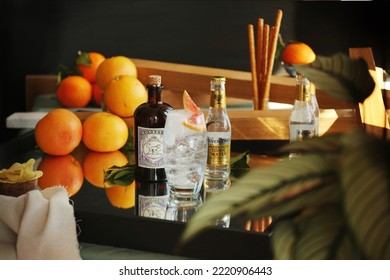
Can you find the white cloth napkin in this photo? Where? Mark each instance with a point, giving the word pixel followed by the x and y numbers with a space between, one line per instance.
pixel 38 225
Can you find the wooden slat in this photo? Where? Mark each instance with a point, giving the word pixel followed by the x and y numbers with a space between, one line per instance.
pixel 274 124
pixel 246 124
pixel 37 85
pixel 196 80
pixel 372 110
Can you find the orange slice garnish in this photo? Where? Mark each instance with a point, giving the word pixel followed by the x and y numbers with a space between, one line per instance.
pixel 193 126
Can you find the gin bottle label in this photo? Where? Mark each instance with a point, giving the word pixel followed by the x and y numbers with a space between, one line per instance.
pixel 150 147
pixel 152 206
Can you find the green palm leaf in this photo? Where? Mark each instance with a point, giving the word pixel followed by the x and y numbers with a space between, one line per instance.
pixel 325 144
pixel 283 239
pixel 340 77
pixel 331 202
pixel 321 235
pixel 366 186
pixel 322 193
pixel 315 234
pixel 261 188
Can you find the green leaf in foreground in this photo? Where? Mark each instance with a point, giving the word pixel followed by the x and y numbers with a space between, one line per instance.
pixel 340 76
pixel 366 188
pixel 263 188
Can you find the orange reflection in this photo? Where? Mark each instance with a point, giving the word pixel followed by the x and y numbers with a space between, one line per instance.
pixel 95 163
pixel 121 197
pixel 61 170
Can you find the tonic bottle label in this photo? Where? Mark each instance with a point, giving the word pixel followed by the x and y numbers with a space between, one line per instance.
pixel 301 132
pixel 150 147
pixel 152 206
pixel 218 151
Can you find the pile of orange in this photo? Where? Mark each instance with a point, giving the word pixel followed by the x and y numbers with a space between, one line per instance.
pixel 112 81
pixel 78 89
pixel 123 92
pixel 98 79
pixel 61 131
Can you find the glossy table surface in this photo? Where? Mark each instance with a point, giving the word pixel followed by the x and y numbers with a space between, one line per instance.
pixel 102 223
pixel 259 132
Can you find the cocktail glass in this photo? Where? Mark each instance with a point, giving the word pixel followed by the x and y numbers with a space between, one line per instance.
pixel 185 153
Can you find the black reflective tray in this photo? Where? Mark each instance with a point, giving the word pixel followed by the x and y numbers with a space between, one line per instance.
pixel 101 223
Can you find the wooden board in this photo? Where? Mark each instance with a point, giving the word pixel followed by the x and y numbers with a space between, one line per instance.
pixel 196 80
pixel 246 124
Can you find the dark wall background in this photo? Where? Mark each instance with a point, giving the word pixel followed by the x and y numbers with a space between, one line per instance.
pixel 39 35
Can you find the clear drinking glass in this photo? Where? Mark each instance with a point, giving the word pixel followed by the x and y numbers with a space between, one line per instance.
pixel 182 209
pixel 185 152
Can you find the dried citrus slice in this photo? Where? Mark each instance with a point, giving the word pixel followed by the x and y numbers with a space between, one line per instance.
pixel 20 172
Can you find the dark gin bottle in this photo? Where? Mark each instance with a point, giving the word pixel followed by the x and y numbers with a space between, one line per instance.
pixel 151 184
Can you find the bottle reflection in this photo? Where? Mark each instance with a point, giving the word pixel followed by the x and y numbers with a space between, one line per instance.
pixel 151 199
pixel 182 209
pixel 213 187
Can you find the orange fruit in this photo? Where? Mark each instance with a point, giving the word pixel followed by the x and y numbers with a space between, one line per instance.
pixel 97 94
pixel 121 196
pixel 74 91
pixel 104 132
pixel 89 71
pixel 112 67
pixel 95 163
pixel 123 95
pixel 59 132
pixel 298 53
pixel 61 170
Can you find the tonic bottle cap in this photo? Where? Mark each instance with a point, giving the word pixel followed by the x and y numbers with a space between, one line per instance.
pixel 155 80
pixel 218 79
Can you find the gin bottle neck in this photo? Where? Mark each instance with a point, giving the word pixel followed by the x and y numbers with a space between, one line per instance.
pixel 154 93
pixel 154 89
